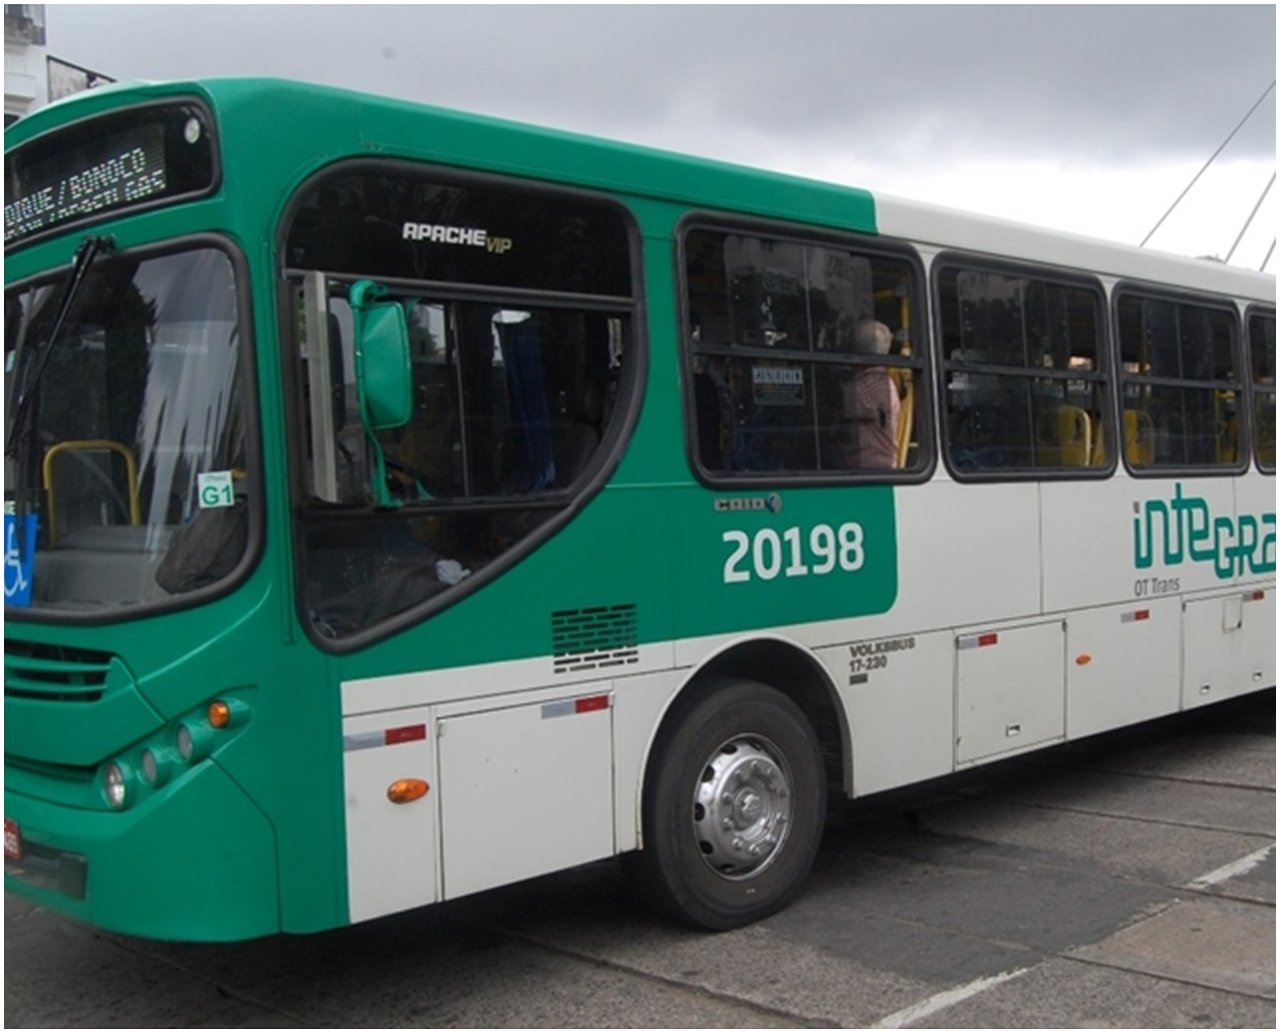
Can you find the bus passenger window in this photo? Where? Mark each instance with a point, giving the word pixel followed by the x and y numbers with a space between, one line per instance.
pixel 1180 385
pixel 520 368
pixel 801 358
pixel 1025 377
pixel 1262 354
pixel 510 407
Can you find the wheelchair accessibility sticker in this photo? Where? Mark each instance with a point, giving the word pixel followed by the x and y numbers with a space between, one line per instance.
pixel 19 558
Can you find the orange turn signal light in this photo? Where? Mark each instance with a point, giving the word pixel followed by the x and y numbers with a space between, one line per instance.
pixel 1084 658
pixel 406 790
pixel 219 714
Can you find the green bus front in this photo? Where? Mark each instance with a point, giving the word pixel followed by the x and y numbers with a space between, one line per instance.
pixel 161 778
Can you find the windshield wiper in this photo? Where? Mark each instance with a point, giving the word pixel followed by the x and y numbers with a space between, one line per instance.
pixel 90 248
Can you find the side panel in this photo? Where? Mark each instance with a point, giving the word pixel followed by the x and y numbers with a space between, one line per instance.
pixel 526 790
pixel 897 694
pixel 1123 665
pixel 1211 648
pixel 391 848
pixel 1225 645
pixel 1009 690
pixel 757 560
pixel 1256 497
pixel 1133 539
pixel 1259 633
pixel 639 704
pixel 967 553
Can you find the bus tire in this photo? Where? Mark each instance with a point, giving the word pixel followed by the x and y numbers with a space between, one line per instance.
pixel 735 798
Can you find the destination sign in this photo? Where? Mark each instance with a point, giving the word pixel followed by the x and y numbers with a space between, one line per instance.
pixel 126 160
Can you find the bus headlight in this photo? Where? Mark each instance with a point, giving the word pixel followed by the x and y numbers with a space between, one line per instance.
pixel 115 786
pixel 186 744
pixel 157 765
pixel 194 740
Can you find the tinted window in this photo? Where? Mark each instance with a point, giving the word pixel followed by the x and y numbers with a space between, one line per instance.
pixel 397 224
pixel 802 357
pixel 522 362
pixel 1262 360
pixel 1181 383
pixel 1024 375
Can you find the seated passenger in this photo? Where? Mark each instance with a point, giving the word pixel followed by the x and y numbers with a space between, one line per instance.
pixel 874 402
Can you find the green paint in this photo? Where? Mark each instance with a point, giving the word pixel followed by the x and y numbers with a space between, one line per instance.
pixel 757 560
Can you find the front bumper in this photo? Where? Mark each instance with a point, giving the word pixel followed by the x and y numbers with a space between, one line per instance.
pixel 196 861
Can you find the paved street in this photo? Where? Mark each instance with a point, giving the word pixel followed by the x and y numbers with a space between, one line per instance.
pixel 1127 881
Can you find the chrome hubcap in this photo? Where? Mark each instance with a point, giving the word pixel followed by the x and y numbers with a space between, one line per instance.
pixel 742 807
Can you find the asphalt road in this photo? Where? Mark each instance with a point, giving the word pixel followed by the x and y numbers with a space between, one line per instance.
pixel 1128 881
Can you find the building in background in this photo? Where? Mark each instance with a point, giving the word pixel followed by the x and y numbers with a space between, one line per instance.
pixel 26 86
pixel 32 77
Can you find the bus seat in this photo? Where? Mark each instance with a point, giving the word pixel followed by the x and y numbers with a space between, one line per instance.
pixel 1139 438
pixel 1265 435
pixel 1099 456
pixel 1064 436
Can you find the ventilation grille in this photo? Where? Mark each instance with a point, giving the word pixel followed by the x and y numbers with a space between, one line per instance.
pixel 594 638
pixel 55 674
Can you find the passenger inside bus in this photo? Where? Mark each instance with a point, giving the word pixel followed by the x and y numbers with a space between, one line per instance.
pixel 874 402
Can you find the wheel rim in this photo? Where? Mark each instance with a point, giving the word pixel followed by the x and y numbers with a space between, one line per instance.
pixel 742 807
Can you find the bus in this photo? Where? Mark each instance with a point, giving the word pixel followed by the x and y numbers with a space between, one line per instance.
pixel 401 503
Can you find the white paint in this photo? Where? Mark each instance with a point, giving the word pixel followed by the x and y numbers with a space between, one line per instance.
pixel 945 999
pixel 946 228
pixel 1230 871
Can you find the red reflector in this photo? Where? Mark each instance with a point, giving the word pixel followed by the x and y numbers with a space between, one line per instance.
pixel 12 840
pixel 590 703
pixel 989 639
pixel 409 733
pixel 1141 615
pixel 1259 595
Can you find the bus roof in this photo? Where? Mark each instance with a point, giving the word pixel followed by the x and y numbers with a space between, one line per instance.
pixel 355 124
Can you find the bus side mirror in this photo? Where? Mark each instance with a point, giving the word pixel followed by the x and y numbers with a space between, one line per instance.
pixel 382 358
pixel 384 378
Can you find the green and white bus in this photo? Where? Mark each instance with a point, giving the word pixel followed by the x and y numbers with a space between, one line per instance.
pixel 402 503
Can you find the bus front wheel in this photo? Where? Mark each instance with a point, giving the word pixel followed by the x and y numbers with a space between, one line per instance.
pixel 733 808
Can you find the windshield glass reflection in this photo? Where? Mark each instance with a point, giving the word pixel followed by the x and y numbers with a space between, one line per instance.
pixel 125 482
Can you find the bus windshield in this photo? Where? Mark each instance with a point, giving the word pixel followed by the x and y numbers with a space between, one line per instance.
pixel 125 475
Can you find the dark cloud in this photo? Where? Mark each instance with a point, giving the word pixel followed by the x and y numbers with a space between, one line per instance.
pixel 1094 84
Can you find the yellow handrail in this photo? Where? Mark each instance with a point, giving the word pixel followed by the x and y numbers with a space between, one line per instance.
pixel 92 445
pixel 905 383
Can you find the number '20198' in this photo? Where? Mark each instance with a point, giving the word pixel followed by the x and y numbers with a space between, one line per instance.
pixel 768 554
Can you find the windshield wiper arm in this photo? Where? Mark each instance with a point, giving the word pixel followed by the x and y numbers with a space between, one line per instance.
pixel 88 250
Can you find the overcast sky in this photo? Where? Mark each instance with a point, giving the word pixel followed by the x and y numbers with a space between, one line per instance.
pixel 1091 119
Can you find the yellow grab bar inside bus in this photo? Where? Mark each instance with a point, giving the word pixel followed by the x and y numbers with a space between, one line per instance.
pixel 91 445
pixel 904 380
pixel 1139 437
